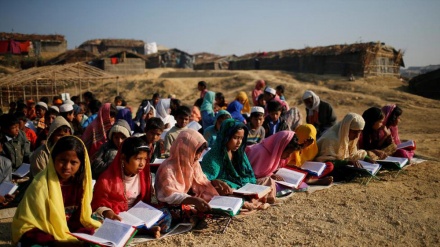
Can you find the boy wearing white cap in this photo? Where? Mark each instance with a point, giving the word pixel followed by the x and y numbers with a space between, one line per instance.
pixel 255 125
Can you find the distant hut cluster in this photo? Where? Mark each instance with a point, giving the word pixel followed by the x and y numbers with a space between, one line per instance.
pixel 360 59
pixel 171 58
pixel 209 61
pixel 32 44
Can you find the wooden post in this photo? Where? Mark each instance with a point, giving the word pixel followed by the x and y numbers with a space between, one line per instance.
pixel 36 90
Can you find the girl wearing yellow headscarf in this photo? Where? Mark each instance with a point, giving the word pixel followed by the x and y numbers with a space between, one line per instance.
pixel 244 100
pixel 308 153
pixel 58 200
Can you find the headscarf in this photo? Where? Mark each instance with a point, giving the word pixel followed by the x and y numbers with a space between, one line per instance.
pixel 180 173
pixel 42 206
pixel 210 133
pixel 234 108
pixel 387 111
pixel 126 115
pixel 163 112
pixel 265 156
pixel 208 102
pixel 316 101
pixel 148 108
pixel 216 163
pixel 242 96
pixel 109 188
pixel 260 84
pixel 334 144
pixel 304 132
pixel 96 132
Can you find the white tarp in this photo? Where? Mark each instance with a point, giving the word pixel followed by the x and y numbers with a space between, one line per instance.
pixel 150 48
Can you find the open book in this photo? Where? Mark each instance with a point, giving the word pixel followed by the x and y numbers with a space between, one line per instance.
pixel 7 188
pixel 411 145
pixel 157 162
pixel 390 160
pixel 111 233
pixel 253 190
pixel 292 179
pixel 314 168
pixel 141 215
pixel 228 204
pixel 22 170
pixel 370 167
pixel 194 125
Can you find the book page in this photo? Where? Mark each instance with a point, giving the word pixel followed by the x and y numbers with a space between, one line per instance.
pixel 226 203
pixel 399 160
pixel 7 188
pixel 157 161
pixel 130 219
pixel 370 167
pixel 114 231
pixel 253 189
pixel 290 177
pixel 148 214
pixel 406 144
pixel 314 167
pixel 23 170
pixel 92 239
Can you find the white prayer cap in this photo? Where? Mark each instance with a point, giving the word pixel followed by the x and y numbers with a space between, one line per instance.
pixel 55 108
pixel 69 102
pixel 270 90
pixel 257 109
pixel 42 104
pixel 66 107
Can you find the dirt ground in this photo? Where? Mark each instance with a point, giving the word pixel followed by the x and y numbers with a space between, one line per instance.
pixel 396 211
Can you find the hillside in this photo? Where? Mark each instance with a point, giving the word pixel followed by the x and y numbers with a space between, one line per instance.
pixel 397 211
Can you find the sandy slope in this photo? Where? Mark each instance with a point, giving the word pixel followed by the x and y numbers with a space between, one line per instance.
pixel 400 211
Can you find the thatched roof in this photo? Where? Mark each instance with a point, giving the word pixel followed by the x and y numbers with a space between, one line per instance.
pixel 115 42
pixel 68 72
pixel 210 59
pixel 77 55
pixel 331 50
pixel 21 36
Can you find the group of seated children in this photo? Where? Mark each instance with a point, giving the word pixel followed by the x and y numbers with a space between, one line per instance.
pixel 61 198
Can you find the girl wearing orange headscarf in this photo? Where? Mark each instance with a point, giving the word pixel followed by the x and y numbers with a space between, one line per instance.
pixel 259 85
pixel 308 153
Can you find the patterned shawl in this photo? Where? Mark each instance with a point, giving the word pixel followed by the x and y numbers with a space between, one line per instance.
pixel 96 133
pixel 181 173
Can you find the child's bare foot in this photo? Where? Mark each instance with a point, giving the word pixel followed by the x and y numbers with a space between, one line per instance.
pixel 322 181
pixel 155 231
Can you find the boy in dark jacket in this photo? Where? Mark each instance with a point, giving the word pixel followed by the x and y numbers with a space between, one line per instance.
pixel 273 123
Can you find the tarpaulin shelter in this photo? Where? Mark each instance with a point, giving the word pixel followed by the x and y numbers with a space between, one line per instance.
pixel 50 81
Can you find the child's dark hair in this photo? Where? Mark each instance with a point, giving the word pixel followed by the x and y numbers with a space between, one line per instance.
pixel 256 114
pixel 202 84
pixel 183 111
pixel 89 95
pixel 50 112
pixel 64 114
pixel 395 114
pixel 21 106
pixel 8 120
pixel 293 144
pixel 176 102
pixel 199 102
pixel 153 124
pixel 20 116
pixel 260 97
pixel 156 95
pixel 133 146
pixel 94 106
pixel 273 106
pixel 44 99
pixel 69 143
pixel 371 116
pixel 280 88
pixel 119 98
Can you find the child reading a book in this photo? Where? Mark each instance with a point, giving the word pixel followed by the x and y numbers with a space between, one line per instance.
pixel 58 200
pixel 207 109
pixel 183 114
pixel 40 157
pixel 180 179
pixel 369 140
pixel 307 153
pixel 339 145
pixel 16 147
pixel 125 182
pixel 210 133
pixel 391 121
pixel 227 166
pixel 153 130
pixel 255 125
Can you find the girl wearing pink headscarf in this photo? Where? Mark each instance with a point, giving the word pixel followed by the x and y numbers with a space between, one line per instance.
pixel 390 129
pixel 259 85
pixel 181 173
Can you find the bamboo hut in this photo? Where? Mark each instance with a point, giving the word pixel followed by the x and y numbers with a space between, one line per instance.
pixel 360 59
pixel 50 81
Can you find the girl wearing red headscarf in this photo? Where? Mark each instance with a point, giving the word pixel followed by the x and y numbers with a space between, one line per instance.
pixel 259 85
pixel 126 182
